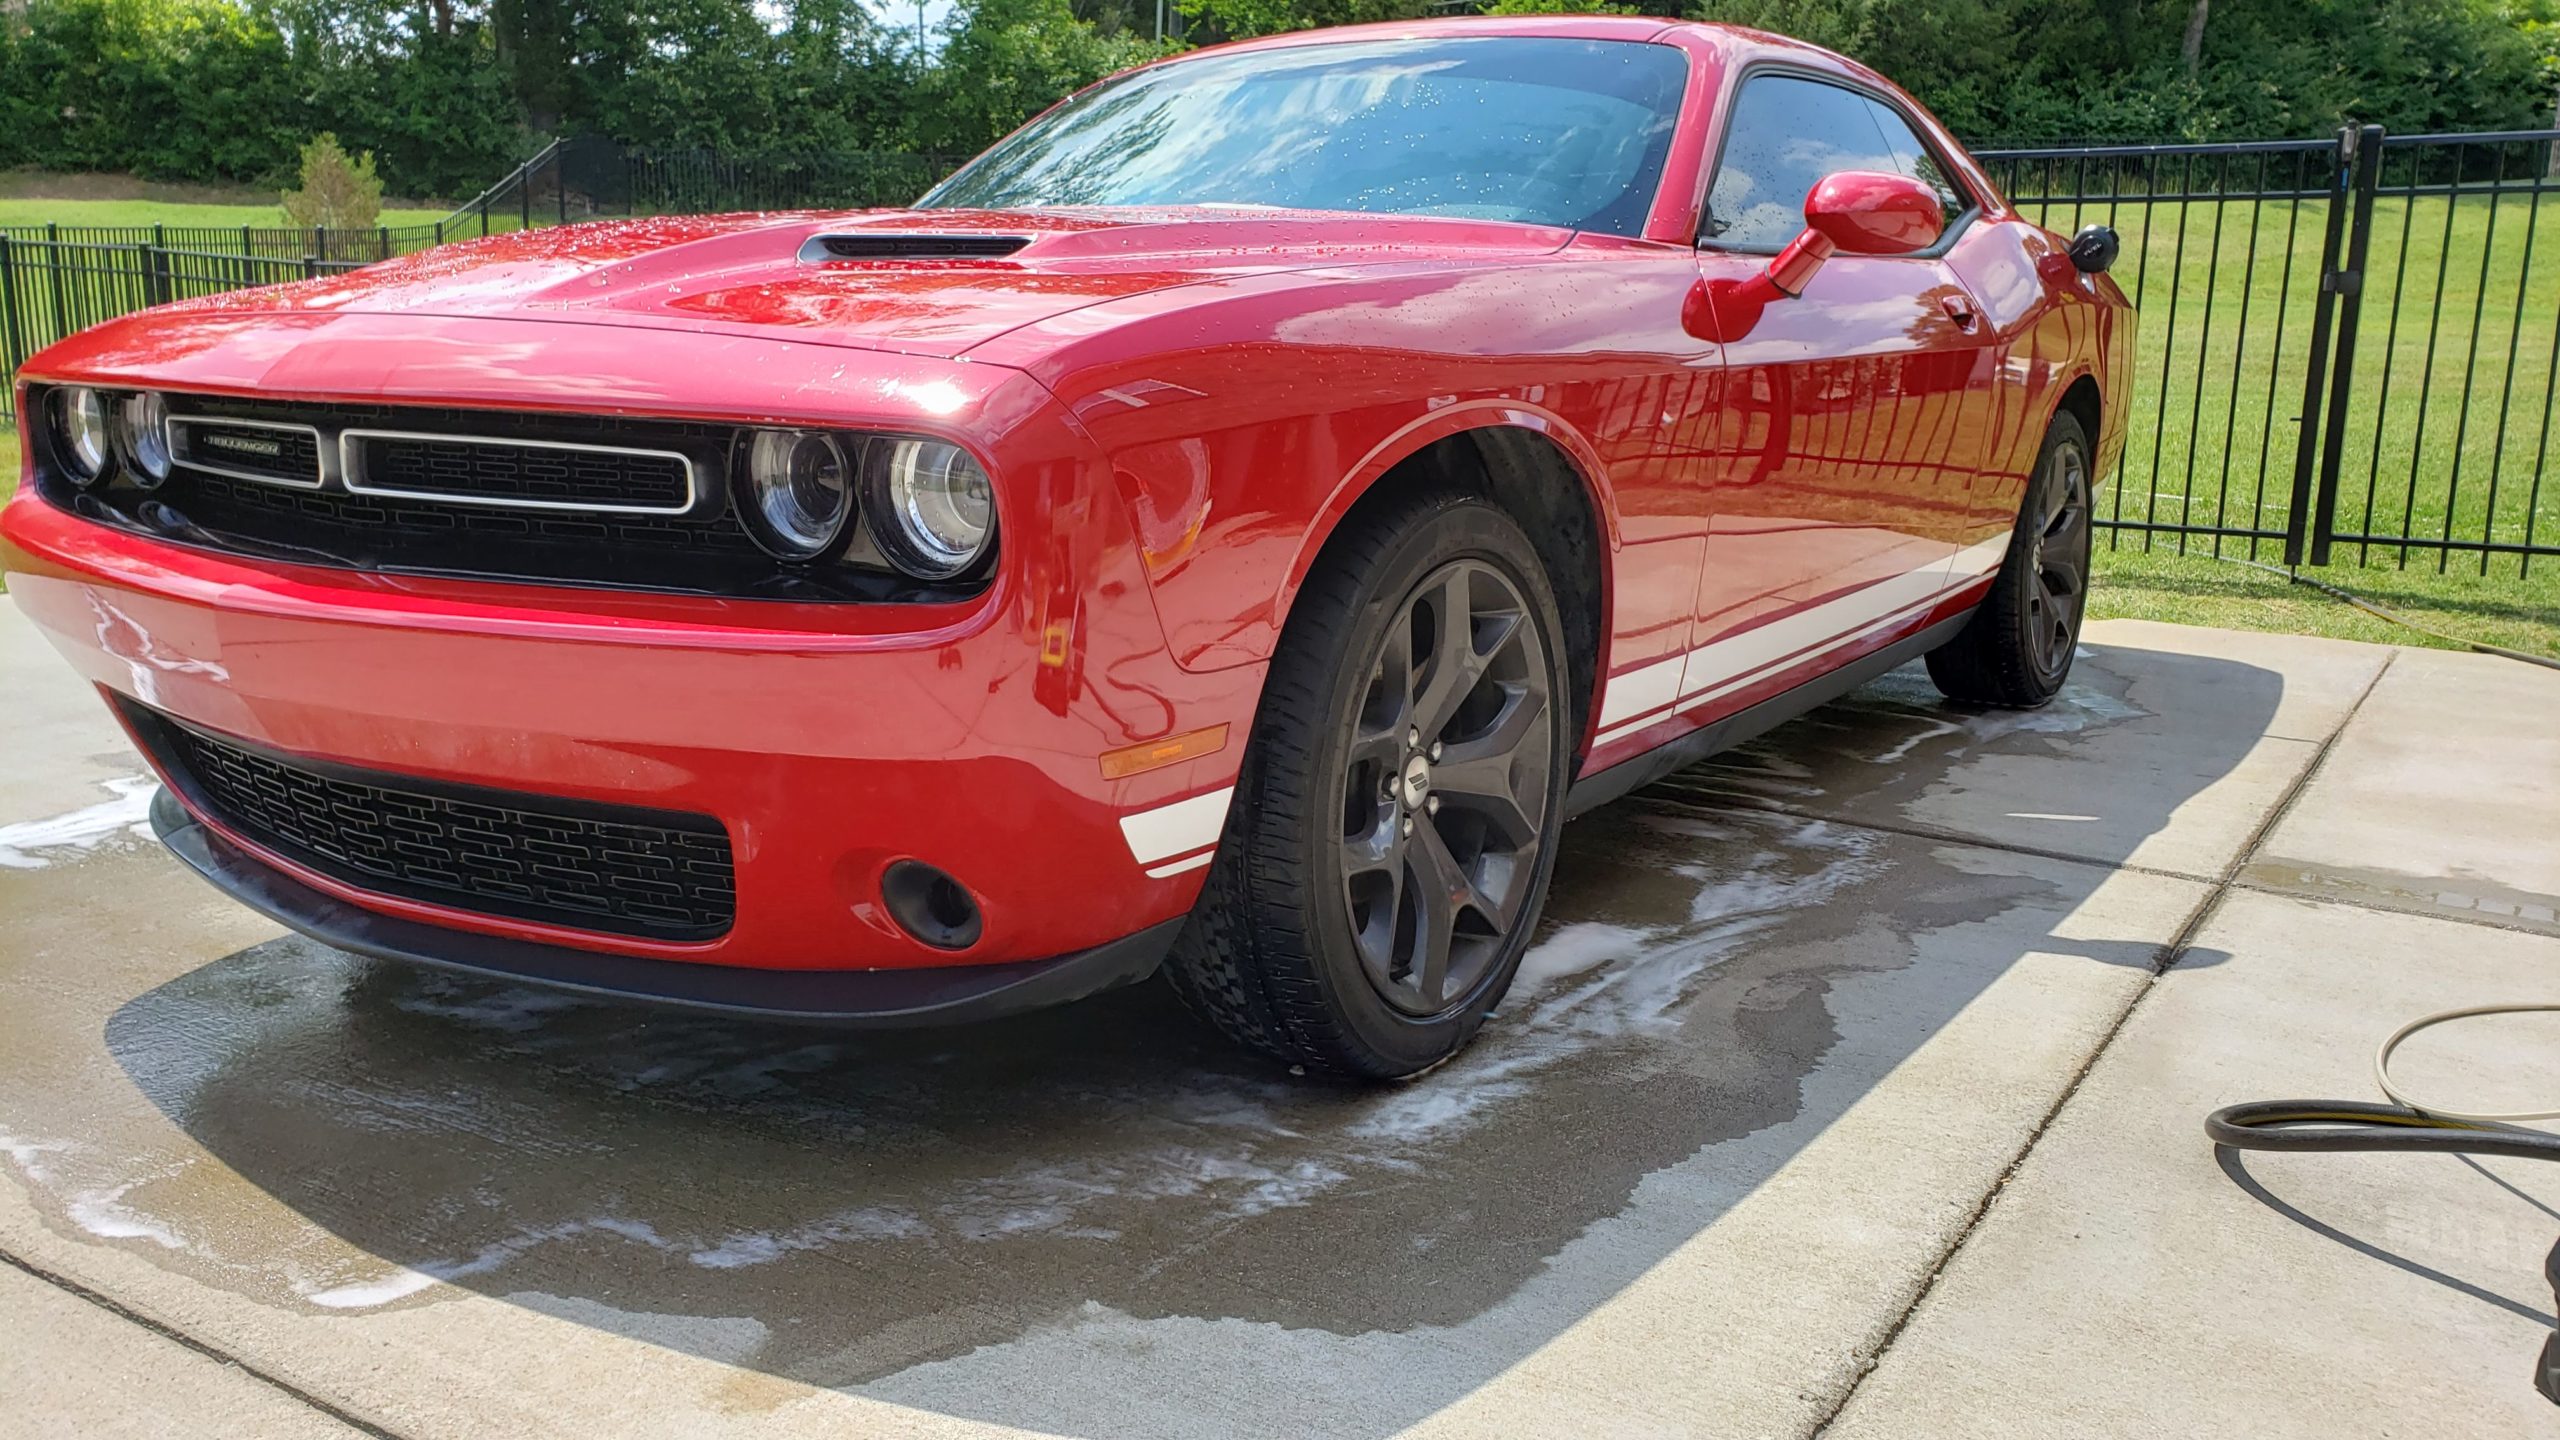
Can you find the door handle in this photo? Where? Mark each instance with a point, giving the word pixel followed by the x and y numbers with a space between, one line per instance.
pixel 1959 309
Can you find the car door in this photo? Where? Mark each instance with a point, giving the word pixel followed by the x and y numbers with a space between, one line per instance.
pixel 1857 413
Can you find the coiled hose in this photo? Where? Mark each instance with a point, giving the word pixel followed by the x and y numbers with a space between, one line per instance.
pixel 2304 1125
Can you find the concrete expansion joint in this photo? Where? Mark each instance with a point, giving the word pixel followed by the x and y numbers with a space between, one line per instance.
pixel 176 1336
pixel 2372 902
pixel 2202 912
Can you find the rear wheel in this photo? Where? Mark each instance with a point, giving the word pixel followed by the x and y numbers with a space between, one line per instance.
pixel 2017 650
pixel 1394 828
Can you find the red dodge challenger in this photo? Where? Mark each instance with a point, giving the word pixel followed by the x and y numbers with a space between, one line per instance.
pixel 1225 529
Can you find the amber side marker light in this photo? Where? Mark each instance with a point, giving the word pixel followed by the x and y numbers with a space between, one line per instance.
pixel 1131 760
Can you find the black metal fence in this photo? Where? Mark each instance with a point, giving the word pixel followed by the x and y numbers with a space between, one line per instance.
pixel 58 279
pixel 2347 347
pixel 2344 344
pixel 52 288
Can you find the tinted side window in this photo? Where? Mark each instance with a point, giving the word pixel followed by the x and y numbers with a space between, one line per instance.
pixel 1786 133
pixel 1912 157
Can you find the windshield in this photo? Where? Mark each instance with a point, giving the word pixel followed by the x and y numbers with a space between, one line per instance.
pixel 1542 131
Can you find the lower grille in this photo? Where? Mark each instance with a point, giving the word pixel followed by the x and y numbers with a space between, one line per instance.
pixel 582 478
pixel 652 874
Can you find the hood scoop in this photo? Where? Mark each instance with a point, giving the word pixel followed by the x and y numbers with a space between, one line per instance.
pixel 864 245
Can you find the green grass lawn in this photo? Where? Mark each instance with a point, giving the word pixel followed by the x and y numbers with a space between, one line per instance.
pixel 19 210
pixel 2197 589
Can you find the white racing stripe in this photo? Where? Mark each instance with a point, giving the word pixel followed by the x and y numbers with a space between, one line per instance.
pixel 1975 561
pixel 1640 690
pixel 1722 666
pixel 1172 832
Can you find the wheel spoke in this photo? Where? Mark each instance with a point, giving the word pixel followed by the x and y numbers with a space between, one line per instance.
pixel 1484 775
pixel 1374 867
pixel 1441 889
pixel 1456 664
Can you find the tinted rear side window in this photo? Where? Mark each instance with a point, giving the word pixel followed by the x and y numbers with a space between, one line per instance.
pixel 1543 131
pixel 1784 135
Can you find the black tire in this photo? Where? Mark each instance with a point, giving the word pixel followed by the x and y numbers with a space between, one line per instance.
pixel 1313 938
pixel 2016 651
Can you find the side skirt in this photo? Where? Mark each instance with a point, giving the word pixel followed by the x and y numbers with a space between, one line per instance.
pixel 1597 789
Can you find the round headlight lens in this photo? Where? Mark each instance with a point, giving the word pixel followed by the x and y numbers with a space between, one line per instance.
pixel 80 424
pixel 799 491
pixel 146 436
pixel 933 511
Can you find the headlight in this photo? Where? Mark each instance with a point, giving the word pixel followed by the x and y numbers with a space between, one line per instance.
pixel 930 507
pixel 146 436
pixel 799 492
pixel 80 427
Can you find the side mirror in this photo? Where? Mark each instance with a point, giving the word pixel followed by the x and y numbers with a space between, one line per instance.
pixel 1863 212
pixel 2093 249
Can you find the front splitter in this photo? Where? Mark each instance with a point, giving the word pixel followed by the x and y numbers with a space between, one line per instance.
pixel 884 999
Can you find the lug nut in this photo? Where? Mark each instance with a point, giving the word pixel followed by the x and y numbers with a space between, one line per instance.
pixel 1413 738
pixel 1435 749
pixel 1431 803
pixel 1408 825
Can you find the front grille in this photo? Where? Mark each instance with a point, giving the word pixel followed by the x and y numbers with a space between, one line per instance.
pixel 517 473
pixel 383 530
pixel 623 502
pixel 276 454
pixel 652 874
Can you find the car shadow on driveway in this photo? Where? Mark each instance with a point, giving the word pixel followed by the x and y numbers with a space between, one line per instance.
pixel 1029 1221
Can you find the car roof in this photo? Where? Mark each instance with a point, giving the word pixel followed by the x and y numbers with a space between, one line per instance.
pixel 1575 27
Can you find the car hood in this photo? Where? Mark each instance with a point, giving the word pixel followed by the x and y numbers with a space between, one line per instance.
pixel 928 282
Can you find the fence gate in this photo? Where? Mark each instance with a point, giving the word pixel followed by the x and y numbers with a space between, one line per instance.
pixel 2346 351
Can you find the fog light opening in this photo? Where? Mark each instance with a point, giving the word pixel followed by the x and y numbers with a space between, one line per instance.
pixel 931 906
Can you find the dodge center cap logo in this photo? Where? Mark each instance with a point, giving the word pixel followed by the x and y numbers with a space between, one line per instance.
pixel 1417 782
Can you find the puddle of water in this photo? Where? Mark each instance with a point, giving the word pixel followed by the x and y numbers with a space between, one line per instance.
pixel 34 844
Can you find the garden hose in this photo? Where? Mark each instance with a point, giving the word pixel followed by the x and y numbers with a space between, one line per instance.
pixel 2305 1125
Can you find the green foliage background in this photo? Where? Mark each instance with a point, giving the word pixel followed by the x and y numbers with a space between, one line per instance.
pixel 448 94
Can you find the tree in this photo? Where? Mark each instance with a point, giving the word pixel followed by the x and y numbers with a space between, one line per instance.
pixel 337 191
pixel 1005 61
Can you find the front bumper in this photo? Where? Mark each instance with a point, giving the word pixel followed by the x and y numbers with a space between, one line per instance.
pixel 828 742
pixel 945 995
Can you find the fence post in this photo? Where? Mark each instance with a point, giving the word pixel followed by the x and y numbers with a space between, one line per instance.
pixel 524 194
pixel 9 303
pixel 2349 285
pixel 247 245
pixel 382 249
pixel 439 232
pixel 2306 446
pixel 560 181
pixel 155 274
pixel 320 241
pixel 53 269
pixel 484 214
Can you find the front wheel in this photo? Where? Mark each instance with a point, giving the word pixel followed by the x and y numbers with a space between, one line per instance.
pixel 2017 649
pixel 1394 829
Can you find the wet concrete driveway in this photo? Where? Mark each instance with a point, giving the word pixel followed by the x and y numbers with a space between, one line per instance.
pixel 1796 1016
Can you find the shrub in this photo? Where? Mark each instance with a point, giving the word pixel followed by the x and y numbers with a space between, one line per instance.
pixel 338 192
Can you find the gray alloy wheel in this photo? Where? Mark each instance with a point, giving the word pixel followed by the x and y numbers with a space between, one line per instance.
pixel 2058 559
pixel 1445 798
pixel 1394 828
pixel 2017 649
